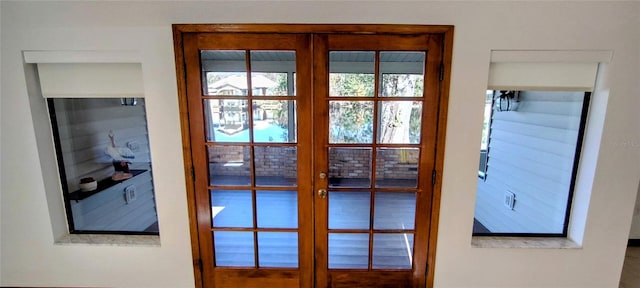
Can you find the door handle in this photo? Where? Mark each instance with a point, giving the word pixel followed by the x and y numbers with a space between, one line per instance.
pixel 322 193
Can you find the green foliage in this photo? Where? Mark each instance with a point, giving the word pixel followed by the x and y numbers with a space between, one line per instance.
pixel 351 121
pixel 351 84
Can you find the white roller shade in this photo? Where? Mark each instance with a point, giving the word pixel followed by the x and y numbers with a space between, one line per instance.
pixel 82 80
pixel 564 76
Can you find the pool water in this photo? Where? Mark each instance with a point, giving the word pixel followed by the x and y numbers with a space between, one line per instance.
pixel 261 133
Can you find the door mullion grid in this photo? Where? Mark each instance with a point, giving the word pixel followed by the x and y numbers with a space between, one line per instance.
pixel 376 119
pixel 252 155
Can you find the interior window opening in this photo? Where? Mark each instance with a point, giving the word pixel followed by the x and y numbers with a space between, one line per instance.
pixel 529 153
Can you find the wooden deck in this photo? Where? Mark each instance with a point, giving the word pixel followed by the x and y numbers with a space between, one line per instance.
pixel 347 210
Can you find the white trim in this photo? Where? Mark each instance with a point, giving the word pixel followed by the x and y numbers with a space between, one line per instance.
pixel 567 56
pixel 33 57
pixel 563 76
pixel 91 80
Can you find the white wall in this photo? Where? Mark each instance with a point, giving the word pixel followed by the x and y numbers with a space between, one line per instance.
pixel 29 256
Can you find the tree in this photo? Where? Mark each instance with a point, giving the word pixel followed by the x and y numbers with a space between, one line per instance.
pixel 352 121
pixel 395 116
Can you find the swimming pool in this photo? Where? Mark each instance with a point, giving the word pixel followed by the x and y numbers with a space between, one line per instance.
pixel 262 132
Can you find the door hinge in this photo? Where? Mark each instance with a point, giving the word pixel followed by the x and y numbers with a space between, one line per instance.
pixel 198 264
pixel 441 71
pixel 433 177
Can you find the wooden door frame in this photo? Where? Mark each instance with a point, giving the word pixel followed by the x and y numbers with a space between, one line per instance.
pixel 180 30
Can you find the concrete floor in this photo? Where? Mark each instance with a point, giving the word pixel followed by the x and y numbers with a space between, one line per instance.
pixel 631 269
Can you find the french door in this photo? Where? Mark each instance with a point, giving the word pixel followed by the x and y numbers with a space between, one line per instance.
pixel 312 156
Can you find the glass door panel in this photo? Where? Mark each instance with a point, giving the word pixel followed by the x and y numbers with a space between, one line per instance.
pixel 244 118
pixel 392 251
pixel 351 73
pixel 225 72
pixel 229 165
pixel 277 209
pixel 350 122
pixel 349 210
pixel 399 122
pixel 349 167
pixel 231 208
pixel 394 211
pixel 348 250
pixel 234 249
pixel 402 74
pixel 374 186
pixel 274 121
pixel 275 165
pixel 278 249
pixel 272 73
pixel 235 115
pixel 397 167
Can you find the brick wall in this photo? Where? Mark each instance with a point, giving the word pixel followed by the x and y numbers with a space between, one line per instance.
pixel 276 161
pixel 349 163
pixel 269 161
pixel 343 162
pixel 397 164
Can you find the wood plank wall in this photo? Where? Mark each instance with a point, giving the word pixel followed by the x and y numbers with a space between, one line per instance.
pixel 109 211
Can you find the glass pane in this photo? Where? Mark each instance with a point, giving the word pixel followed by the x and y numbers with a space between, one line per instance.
pixel 392 251
pixel 394 210
pixel 348 251
pixel 231 208
pixel 400 122
pixel 225 72
pixel 274 121
pixel 278 249
pixel 227 120
pixel 352 73
pixel 349 210
pixel 276 166
pixel 234 248
pixel 269 72
pixel 277 209
pixel 350 167
pixel 350 121
pixel 527 180
pixel 397 167
pixel 269 84
pixel 229 165
pixel 105 162
pixel 402 74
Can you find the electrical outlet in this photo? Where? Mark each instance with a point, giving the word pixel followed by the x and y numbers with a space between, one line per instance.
pixel 509 199
pixel 130 193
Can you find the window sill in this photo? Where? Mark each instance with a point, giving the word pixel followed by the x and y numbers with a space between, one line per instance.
pixel 523 242
pixel 110 240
